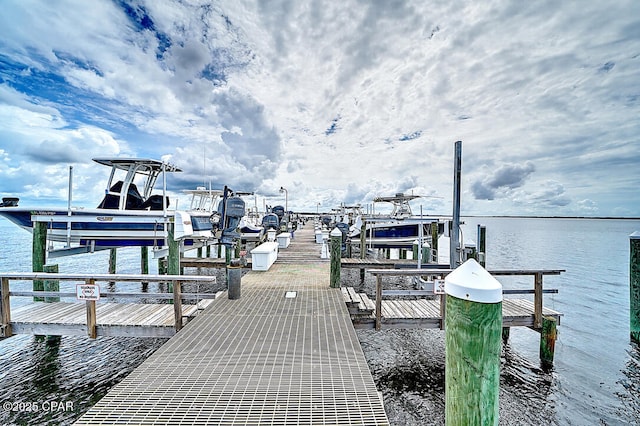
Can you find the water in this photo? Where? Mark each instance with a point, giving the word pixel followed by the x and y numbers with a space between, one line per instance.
pixel 596 373
pixel 595 378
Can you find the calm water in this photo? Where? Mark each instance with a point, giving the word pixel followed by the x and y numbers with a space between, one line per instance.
pixel 596 376
pixel 595 379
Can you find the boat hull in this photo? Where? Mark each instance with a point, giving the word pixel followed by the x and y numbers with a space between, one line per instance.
pixel 102 227
pixel 396 233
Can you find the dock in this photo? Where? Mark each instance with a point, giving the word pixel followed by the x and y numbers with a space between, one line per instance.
pixel 55 313
pixel 284 353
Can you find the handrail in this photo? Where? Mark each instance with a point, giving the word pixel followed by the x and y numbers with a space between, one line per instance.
pixel 177 296
pixel 537 286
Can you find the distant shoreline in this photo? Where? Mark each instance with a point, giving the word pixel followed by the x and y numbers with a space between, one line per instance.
pixel 554 217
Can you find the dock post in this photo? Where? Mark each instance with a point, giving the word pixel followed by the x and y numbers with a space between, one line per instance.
pixel 39 255
pixel 336 241
pixel 173 258
pixel 482 245
pixel 547 341
pixel 472 346
pixel 144 260
pixel 51 285
pixel 162 266
pixel 454 239
pixel 506 331
pixel 112 260
pixel 634 286
pixel 5 309
pixel 177 305
pixel 434 239
pixel 378 302
pixel 537 301
pixel 363 239
pixel 91 314
pixel 112 263
pixel 234 279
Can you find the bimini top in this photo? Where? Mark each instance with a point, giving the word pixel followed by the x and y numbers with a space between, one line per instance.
pixel 139 163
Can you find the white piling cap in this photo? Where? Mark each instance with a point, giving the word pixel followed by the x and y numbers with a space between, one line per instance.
pixel 470 281
pixel 336 233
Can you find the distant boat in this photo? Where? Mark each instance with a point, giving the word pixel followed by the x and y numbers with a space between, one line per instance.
pixel 400 229
pixel 126 216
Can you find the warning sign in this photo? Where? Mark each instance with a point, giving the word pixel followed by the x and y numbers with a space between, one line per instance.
pixel 87 292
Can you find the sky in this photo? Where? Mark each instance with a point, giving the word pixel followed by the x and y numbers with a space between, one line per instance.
pixel 338 102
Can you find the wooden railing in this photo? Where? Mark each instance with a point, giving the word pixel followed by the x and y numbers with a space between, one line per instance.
pixel 176 295
pixel 428 272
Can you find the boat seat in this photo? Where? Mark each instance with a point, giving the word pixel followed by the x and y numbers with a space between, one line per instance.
pixel 112 201
pixel 154 202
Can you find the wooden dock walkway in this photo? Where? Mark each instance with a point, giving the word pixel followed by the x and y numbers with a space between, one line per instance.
pixel 285 353
pixel 62 314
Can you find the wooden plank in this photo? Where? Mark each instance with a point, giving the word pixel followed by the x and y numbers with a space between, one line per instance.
pixel 345 295
pixel 368 303
pixel 353 295
pixel 105 277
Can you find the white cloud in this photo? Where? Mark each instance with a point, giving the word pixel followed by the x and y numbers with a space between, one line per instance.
pixel 339 100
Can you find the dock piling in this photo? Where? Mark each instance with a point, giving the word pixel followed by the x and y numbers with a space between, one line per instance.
pixel 548 337
pixel 51 285
pixel 634 286
pixel 39 254
pixel 234 278
pixel 144 260
pixel 91 314
pixel 336 242
pixel 473 344
pixel 481 252
pixel 5 309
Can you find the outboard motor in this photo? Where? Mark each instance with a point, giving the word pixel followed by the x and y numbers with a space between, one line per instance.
pixel 230 211
pixel 278 211
pixel 326 220
pixel 270 221
pixel 344 228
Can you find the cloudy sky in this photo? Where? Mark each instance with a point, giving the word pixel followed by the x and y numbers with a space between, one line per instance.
pixel 337 101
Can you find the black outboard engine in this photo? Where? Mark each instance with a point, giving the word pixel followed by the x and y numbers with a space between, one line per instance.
pixel 278 211
pixel 326 220
pixel 270 221
pixel 230 211
pixel 344 228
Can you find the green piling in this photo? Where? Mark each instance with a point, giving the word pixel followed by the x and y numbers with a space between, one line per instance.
pixel 51 285
pixel 336 242
pixel 144 260
pixel 434 238
pixel 473 318
pixel 548 336
pixel 173 260
pixel 39 254
pixel 112 260
pixel 634 286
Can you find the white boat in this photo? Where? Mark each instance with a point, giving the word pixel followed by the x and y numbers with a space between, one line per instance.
pixel 126 216
pixel 400 229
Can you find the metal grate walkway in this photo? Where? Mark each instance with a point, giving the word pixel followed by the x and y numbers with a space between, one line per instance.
pixel 261 359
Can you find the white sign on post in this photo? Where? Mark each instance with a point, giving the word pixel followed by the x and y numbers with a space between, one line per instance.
pixel 87 292
pixel 438 286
